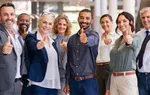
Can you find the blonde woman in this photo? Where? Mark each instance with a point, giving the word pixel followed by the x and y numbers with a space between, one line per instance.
pixel 62 30
pixel 44 72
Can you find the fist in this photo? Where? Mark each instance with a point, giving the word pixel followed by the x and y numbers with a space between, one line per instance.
pixel 7 48
pixel 83 37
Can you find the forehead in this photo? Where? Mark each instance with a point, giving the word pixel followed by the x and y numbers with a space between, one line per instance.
pixel 24 16
pixel 46 18
pixel 121 17
pixel 105 18
pixel 62 20
pixel 7 9
pixel 145 13
pixel 85 14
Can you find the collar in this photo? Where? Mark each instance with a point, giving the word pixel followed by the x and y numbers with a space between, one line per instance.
pixel 39 37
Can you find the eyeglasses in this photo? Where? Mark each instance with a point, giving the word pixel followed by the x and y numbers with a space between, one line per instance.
pixel 49 14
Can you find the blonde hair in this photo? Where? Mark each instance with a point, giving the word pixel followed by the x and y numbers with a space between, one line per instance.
pixel 56 22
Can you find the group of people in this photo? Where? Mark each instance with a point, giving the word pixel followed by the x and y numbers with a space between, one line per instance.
pixel 112 62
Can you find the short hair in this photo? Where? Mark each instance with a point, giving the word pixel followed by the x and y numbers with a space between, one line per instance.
pixel 144 10
pixel 106 15
pixel 128 16
pixel 56 22
pixel 86 10
pixel 7 5
pixel 50 15
pixel 22 14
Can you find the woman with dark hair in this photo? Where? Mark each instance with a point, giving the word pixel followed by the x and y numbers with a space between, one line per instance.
pixel 108 37
pixel 123 58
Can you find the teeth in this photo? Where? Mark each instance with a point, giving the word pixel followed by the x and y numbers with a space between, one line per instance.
pixel 9 22
pixel 24 26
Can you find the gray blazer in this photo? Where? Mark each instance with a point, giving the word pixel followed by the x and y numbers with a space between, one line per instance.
pixel 8 63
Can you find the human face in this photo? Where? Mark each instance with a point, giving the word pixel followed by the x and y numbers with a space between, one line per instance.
pixel 7 17
pixel 123 24
pixel 145 18
pixel 23 22
pixel 45 24
pixel 85 20
pixel 62 26
pixel 106 24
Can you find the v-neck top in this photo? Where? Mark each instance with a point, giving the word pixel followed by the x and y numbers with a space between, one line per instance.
pixel 123 56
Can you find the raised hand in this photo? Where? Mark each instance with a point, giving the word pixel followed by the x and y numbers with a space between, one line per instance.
pixel 107 40
pixel 128 37
pixel 7 48
pixel 83 37
pixel 63 44
pixel 41 43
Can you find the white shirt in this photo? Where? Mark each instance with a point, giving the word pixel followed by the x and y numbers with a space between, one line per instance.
pixel 146 56
pixel 52 78
pixel 104 50
pixel 18 49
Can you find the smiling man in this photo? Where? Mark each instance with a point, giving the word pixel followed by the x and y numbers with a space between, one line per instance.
pixel 82 50
pixel 12 65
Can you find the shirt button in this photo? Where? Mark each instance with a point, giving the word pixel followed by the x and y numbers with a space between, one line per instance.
pixel 77 74
pixel 77 51
pixel 76 66
pixel 77 58
pixel 78 44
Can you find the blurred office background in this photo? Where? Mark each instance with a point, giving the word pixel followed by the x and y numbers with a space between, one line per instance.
pixel 72 7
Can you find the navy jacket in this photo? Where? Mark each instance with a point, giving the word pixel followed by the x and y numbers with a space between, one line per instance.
pixel 38 58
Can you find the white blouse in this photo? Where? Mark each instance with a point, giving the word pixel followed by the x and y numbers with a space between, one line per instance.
pixel 104 50
pixel 52 78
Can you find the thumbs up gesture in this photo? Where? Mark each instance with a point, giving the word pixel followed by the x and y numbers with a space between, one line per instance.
pixel 41 43
pixel 128 37
pixel 7 48
pixel 63 44
pixel 107 40
pixel 83 37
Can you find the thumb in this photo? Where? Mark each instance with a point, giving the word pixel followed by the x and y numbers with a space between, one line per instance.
pixel 44 38
pixel 81 30
pixel 62 41
pixel 8 40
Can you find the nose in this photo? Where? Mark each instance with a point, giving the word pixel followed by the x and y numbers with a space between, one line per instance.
pixel 9 17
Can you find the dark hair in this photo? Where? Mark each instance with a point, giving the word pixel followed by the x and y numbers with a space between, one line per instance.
pixel 22 14
pixel 129 17
pixel 7 5
pixel 106 15
pixel 86 10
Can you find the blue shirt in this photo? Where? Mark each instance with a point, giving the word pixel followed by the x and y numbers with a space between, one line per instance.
pixel 81 58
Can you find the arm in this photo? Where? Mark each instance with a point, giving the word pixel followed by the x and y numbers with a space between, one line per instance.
pixel 66 88
pixel 31 42
pixel 135 42
pixel 93 39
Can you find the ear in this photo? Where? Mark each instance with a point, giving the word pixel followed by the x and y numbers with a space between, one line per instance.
pixel 131 22
pixel 92 21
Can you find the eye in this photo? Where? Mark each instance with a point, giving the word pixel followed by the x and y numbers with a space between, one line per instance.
pixel 50 23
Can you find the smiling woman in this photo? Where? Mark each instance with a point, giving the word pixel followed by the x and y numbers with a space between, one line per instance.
pixel 62 29
pixel 43 73
pixel 123 58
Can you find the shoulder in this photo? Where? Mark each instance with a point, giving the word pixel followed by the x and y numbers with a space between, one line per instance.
pixel 31 36
pixel 141 32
